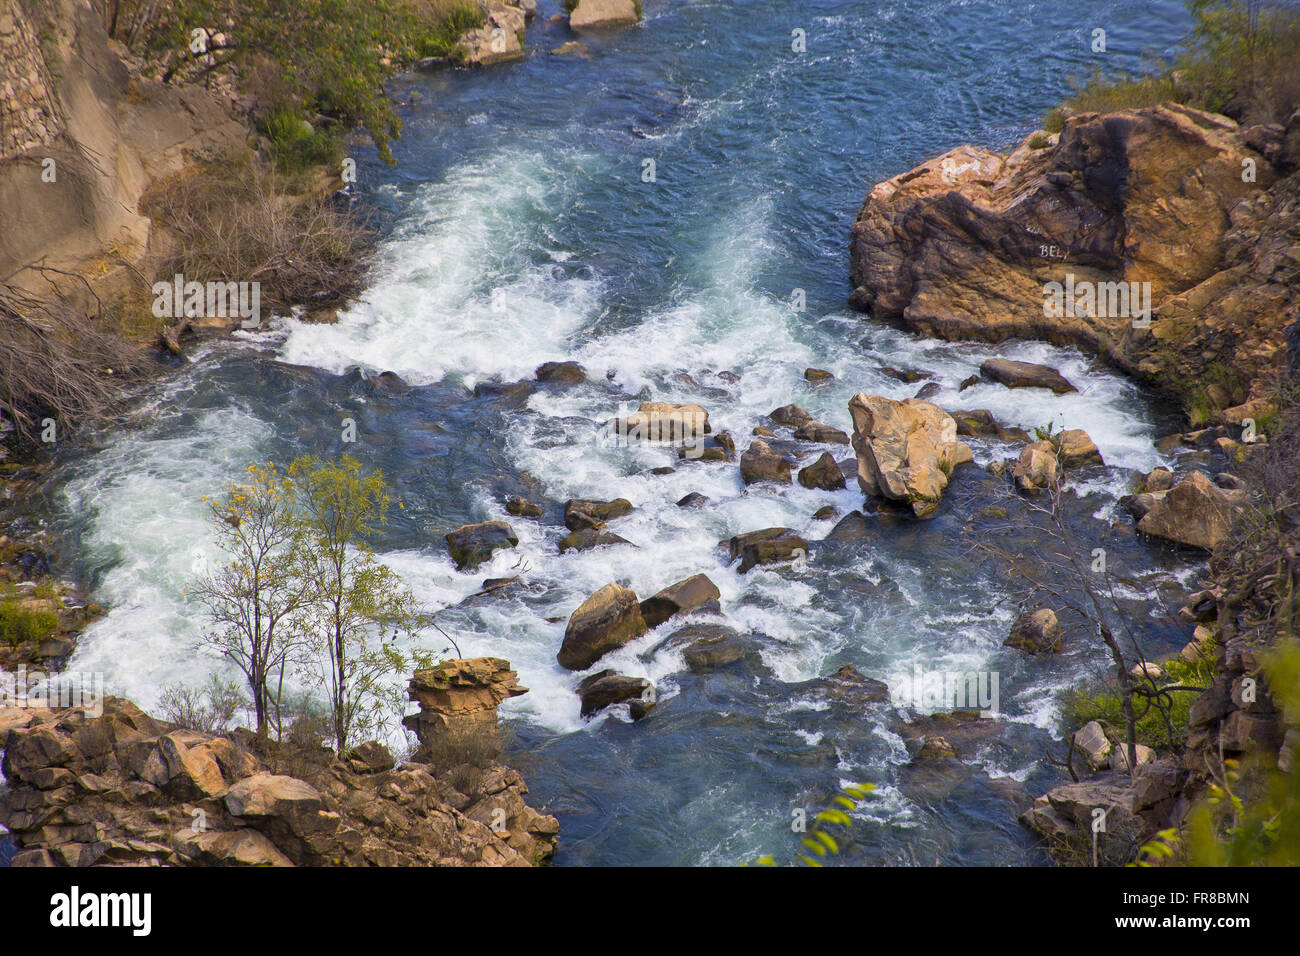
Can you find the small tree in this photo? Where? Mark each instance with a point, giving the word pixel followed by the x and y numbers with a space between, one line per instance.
pixel 358 605
pixel 255 596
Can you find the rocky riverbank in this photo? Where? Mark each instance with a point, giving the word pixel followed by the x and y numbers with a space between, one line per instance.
pixel 1162 241
pixel 103 783
pixel 1158 239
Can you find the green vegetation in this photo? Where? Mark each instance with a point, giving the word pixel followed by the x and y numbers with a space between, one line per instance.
pixel 1240 61
pixel 1162 728
pixel 1251 814
pixel 300 597
pixel 19 624
pixel 327 57
pixel 295 144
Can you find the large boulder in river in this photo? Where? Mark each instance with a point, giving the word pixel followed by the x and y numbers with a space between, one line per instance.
pixel 824 473
pixel 604 622
pixel 606 688
pixel 906 450
pixel 567 373
pixel 1025 375
pixel 760 463
pixel 1037 468
pixel 472 544
pixel 822 434
pixel 601 14
pixel 769 546
pixel 790 415
pixel 974 244
pixel 1195 513
pixel 1037 632
pixel 583 513
pixel 696 592
pixel 661 421
pixel 1074 448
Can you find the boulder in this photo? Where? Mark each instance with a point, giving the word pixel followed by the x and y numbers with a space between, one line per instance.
pixel 824 434
pixel 242 847
pixel 816 375
pixel 979 422
pixel 606 688
pixel 824 474
pixel 601 14
pixel 906 450
pixel 769 546
pixel 683 597
pixel 472 544
pixel 563 372
pixel 1092 742
pixel 1195 513
pixel 692 500
pixel 605 621
pixel 496 41
pixel 1037 632
pixel 760 463
pixel 663 422
pixel 1074 448
pixel 1014 374
pixel 583 513
pixel 1119 756
pixel 968 246
pixel 272 795
pixel 1037 468
pixel 523 508
pixel 1159 479
pixel 791 416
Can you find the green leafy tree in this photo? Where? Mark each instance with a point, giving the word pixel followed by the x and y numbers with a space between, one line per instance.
pixel 358 606
pixel 255 594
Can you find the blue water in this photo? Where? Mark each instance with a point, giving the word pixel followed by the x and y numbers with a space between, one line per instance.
pixel 521 231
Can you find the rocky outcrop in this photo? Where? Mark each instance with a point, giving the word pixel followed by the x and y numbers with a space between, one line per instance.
pixel 458 699
pixel 498 40
pixel 1047 242
pixel 602 14
pixel 1194 512
pixel 604 622
pixel 906 450
pixel 472 544
pixel 120 788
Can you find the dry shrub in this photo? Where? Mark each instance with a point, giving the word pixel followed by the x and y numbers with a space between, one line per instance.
pixel 244 225
pixel 462 753
pixel 57 362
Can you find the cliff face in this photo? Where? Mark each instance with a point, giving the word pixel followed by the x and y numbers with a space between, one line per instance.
pixel 70 97
pixel 1192 214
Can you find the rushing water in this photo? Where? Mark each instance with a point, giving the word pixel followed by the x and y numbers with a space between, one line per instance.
pixel 523 232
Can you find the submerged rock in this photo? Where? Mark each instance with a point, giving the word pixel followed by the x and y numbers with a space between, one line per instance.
pixel 1014 374
pixel 583 513
pixel 607 688
pixel 1037 632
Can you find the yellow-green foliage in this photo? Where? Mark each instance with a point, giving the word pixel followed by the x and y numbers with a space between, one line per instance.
pixel 1252 816
pixel 818 841
pixel 19 624
pixel 1241 60
pixel 1104 704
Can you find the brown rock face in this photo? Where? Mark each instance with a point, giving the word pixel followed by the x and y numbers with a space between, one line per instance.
pixel 607 620
pixel 1195 512
pixel 769 546
pixel 967 246
pixel 680 598
pixel 906 450
pixel 123 789
pixel 824 473
pixel 599 14
pixel 581 514
pixel 760 463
